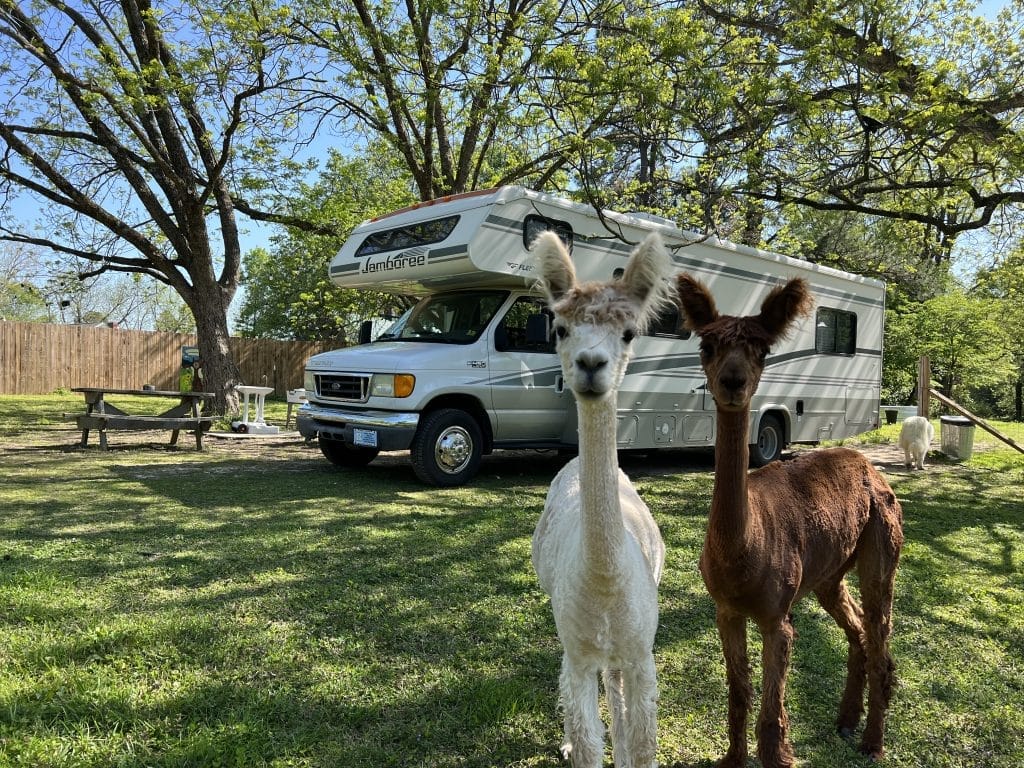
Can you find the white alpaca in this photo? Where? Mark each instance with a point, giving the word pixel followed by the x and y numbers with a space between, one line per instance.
pixel 915 437
pixel 597 549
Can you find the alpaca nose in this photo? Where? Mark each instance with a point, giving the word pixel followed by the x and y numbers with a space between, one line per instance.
pixel 590 362
pixel 734 380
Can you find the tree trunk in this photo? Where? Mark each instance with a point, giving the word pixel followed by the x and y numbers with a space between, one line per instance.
pixel 220 373
pixel 1018 400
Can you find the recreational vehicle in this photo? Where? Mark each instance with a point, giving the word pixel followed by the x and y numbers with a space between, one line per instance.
pixel 471 368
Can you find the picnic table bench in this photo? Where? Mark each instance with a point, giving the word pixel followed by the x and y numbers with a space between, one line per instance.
pixel 102 415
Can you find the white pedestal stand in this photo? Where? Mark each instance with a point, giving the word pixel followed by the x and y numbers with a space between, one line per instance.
pixel 257 426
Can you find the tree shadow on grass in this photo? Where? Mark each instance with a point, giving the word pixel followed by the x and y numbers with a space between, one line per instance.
pixel 400 621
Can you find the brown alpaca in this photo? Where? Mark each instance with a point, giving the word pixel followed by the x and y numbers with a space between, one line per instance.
pixel 785 530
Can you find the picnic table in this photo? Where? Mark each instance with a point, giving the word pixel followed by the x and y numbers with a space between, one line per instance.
pixel 102 415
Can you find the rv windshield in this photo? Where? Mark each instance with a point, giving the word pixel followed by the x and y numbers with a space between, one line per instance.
pixel 447 318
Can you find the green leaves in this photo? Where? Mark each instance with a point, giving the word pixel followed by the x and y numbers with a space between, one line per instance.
pixel 288 293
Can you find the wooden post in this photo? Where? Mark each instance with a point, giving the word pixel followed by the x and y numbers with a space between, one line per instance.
pixel 924 385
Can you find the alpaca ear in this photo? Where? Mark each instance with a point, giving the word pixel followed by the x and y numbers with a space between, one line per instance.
pixel 696 302
pixel 783 305
pixel 645 271
pixel 557 274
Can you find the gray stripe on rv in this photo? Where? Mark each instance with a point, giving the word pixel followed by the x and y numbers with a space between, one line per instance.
pixel 516 226
pixel 687 364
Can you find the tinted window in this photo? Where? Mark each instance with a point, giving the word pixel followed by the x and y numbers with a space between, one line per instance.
pixel 533 225
pixel 668 324
pixel 510 335
pixel 408 236
pixel 835 332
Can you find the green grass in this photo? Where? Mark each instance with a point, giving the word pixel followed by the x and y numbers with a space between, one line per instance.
pixel 173 608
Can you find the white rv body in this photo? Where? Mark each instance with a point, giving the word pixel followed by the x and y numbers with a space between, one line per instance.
pixel 480 385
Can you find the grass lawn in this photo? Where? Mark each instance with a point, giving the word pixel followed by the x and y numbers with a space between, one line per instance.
pixel 259 607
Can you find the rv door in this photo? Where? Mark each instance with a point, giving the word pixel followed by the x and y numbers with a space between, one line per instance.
pixel 529 398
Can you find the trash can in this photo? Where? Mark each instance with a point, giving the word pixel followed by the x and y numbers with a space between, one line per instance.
pixel 957 436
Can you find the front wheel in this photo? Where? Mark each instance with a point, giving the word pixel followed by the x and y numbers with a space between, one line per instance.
pixel 341 454
pixel 447 448
pixel 771 438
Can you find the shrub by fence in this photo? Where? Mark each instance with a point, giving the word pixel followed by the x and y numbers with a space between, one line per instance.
pixel 37 358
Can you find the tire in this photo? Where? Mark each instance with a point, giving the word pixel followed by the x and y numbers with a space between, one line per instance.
pixel 447 448
pixel 342 454
pixel 771 439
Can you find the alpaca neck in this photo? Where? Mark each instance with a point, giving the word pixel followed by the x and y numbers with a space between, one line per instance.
pixel 729 522
pixel 603 530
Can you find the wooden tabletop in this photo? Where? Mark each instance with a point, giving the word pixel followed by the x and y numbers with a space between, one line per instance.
pixel 143 392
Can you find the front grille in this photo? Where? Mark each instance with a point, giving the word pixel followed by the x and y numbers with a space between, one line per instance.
pixel 351 388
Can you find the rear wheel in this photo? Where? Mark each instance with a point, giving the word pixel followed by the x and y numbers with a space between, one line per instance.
pixel 771 438
pixel 342 454
pixel 447 448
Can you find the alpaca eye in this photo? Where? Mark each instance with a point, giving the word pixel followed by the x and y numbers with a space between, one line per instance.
pixel 561 331
pixel 628 335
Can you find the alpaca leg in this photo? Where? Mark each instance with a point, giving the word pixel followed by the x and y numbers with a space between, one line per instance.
pixel 613 688
pixel 877 559
pixel 732 630
pixel 583 744
pixel 877 591
pixel 836 599
pixel 640 687
pixel 773 724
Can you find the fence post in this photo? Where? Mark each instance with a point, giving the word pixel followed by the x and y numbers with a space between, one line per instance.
pixel 924 379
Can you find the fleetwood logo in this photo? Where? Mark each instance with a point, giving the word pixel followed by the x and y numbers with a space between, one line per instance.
pixel 406 259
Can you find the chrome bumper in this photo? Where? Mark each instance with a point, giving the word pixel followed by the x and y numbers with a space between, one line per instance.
pixel 394 429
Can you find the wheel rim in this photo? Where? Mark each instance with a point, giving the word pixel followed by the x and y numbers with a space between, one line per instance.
pixel 768 442
pixel 453 450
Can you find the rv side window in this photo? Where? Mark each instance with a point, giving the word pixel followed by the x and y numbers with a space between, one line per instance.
pixel 668 325
pixel 407 236
pixel 533 225
pixel 510 335
pixel 835 332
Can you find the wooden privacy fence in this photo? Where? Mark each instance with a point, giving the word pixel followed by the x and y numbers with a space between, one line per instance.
pixel 37 358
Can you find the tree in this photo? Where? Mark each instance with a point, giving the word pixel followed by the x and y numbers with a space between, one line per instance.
pixel 720 114
pixel 20 297
pixel 899 359
pixel 886 249
pixel 445 86
pixel 878 111
pixel 1004 281
pixel 962 334
pixel 288 293
pixel 128 122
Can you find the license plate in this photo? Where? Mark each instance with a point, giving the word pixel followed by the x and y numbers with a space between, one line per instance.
pixel 365 437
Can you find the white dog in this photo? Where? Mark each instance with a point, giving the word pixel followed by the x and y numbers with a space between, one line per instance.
pixel 915 437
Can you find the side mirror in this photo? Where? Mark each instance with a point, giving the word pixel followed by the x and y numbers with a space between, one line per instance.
pixel 365 331
pixel 538 329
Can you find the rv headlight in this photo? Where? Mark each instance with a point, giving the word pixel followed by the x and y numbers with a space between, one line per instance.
pixel 309 381
pixel 392 385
